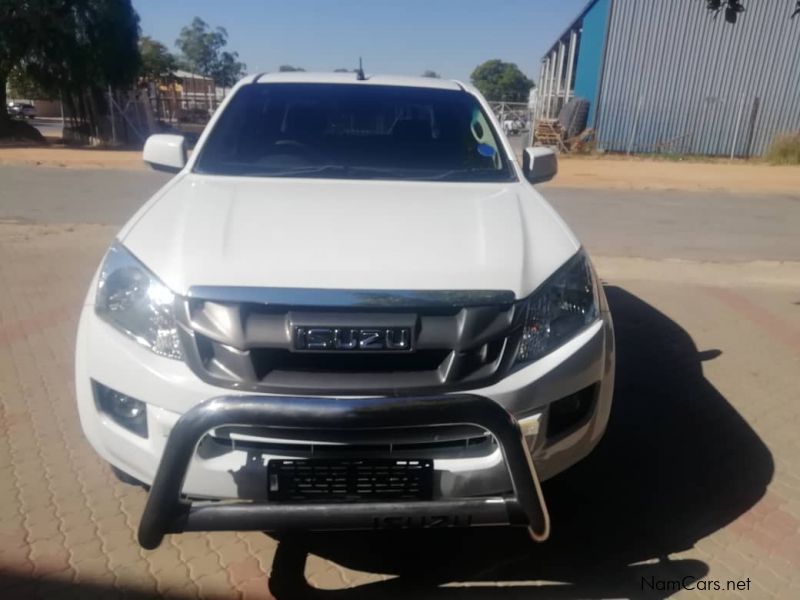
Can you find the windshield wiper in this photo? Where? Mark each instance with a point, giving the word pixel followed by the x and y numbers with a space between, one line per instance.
pixel 340 171
pixel 298 171
pixel 475 173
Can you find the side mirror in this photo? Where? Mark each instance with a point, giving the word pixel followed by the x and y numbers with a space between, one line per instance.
pixel 165 152
pixel 539 164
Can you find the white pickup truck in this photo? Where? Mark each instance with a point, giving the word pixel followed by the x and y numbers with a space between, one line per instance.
pixel 348 309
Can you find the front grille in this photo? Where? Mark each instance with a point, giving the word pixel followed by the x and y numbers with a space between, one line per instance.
pixel 251 346
pixel 226 439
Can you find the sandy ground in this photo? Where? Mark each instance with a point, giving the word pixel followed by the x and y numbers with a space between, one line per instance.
pixel 589 172
pixel 76 158
pixel 644 174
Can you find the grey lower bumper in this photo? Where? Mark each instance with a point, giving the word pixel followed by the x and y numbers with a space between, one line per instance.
pixel 167 512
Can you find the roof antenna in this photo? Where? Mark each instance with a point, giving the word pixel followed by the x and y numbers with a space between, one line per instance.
pixel 360 71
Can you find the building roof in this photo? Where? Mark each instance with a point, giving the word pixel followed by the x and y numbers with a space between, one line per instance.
pixel 565 34
pixel 395 80
pixel 187 75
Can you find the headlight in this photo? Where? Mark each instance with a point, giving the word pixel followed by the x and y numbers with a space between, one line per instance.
pixel 560 308
pixel 134 301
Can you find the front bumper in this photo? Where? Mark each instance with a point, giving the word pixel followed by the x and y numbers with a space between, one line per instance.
pixel 166 512
pixel 171 389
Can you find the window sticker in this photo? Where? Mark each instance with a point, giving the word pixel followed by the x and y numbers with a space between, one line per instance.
pixel 486 150
pixel 487 146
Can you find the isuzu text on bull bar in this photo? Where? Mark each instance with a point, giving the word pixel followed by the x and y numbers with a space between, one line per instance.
pixel 349 309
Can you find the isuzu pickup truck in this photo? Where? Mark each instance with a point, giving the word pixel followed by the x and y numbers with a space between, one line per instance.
pixel 348 309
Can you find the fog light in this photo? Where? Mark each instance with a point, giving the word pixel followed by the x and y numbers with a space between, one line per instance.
pixel 568 413
pixel 125 411
pixel 126 408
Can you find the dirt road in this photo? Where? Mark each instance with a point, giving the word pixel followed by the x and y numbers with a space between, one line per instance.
pixel 705 226
pixel 593 172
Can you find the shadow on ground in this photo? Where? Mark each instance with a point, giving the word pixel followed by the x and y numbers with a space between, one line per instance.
pixel 677 464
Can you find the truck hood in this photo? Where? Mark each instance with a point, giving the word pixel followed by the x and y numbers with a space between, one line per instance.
pixel 344 234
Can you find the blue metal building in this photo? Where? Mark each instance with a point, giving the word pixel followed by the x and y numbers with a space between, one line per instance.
pixel 671 76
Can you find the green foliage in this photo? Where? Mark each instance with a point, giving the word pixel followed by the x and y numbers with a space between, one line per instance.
pixel 784 150
pixel 228 69
pixel 157 62
pixel 22 86
pixel 202 53
pixel 20 131
pixel 70 42
pixel 431 74
pixel 498 80
pixel 200 46
pixel 290 69
pixel 69 48
pixel 17 25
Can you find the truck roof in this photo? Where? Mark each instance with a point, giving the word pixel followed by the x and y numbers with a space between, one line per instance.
pixel 350 77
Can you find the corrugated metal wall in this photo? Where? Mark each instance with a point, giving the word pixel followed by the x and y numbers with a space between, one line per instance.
pixel 590 54
pixel 677 80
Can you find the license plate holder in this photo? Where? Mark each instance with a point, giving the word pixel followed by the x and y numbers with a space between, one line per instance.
pixel 349 480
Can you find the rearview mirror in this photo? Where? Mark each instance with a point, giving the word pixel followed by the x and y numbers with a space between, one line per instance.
pixel 165 152
pixel 539 164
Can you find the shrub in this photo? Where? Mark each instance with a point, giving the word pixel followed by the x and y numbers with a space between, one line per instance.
pixel 784 150
pixel 19 131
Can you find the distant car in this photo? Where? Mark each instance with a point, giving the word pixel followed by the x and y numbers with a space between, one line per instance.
pixel 513 126
pixel 21 110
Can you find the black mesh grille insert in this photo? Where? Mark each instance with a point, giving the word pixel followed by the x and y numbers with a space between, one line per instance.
pixel 325 480
pixel 266 360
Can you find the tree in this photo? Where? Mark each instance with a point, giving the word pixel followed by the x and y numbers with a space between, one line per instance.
pixel 431 74
pixel 158 66
pixel 74 49
pixel 16 24
pixel 290 69
pixel 201 49
pixel 200 46
pixel 157 63
pixel 228 70
pixel 498 80
pixel 23 86
pixel 341 70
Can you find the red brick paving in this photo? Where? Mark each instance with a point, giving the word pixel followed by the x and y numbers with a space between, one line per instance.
pixel 67 525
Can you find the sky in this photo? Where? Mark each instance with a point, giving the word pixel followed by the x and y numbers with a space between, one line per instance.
pixel 398 37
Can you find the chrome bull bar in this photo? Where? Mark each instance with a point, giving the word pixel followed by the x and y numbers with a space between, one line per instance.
pixel 168 512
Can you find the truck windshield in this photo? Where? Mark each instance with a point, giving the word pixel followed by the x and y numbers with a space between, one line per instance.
pixel 354 131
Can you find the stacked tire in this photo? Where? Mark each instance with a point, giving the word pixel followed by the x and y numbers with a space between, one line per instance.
pixel 573 117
